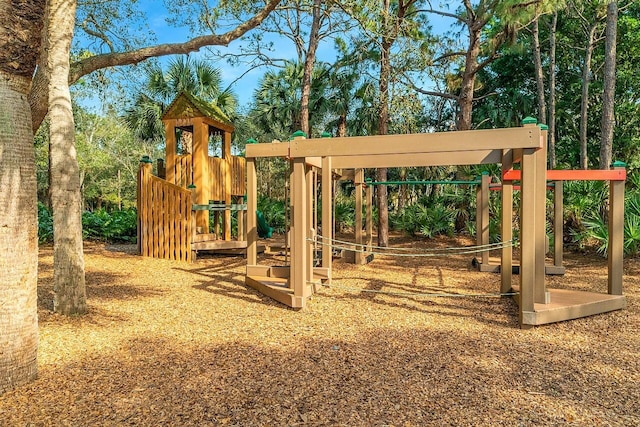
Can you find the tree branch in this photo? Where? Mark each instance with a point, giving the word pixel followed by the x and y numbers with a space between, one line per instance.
pixel 89 65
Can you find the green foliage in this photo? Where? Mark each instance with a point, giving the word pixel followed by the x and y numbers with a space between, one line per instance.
pixel 45 224
pixel 595 228
pixel 110 226
pixel 344 213
pixel 430 221
pixel 116 226
pixel 274 213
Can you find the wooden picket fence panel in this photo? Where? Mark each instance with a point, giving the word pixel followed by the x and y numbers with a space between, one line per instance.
pixel 164 218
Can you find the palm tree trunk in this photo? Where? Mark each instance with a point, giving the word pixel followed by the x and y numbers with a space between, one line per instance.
pixel 537 60
pixel 18 194
pixel 465 100
pixel 309 62
pixel 552 91
pixel 68 259
pixel 584 104
pixel 383 129
pixel 608 95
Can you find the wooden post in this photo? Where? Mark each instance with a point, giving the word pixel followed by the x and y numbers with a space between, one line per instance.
pixel 252 206
pixel 142 204
pixel 359 182
pixel 369 217
pixel 242 235
pixel 201 175
pixel 541 295
pixel 299 253
pixel 327 214
pixel 170 150
pixel 527 235
pixel 558 223
pixel 506 261
pixel 311 253
pixel 478 219
pixel 226 173
pixel 615 250
pixel 484 216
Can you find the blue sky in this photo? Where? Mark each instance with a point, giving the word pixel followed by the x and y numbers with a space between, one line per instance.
pixel 157 15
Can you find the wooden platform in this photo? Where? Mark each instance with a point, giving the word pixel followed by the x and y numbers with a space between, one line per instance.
pixel 570 304
pixel 274 282
pixel 494 267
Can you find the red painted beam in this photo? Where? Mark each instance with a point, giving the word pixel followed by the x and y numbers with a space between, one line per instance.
pixel 574 175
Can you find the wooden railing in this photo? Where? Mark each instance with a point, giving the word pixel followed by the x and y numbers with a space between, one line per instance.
pixel 164 218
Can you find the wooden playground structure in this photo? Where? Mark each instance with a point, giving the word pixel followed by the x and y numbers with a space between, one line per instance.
pixel 174 207
pixel 524 146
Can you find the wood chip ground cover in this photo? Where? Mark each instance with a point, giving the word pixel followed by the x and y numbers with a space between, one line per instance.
pixel 169 343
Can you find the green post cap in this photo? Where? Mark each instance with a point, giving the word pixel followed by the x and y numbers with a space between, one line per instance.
pixel 325 134
pixel 485 172
pixel 251 141
pixel 619 164
pixel 146 159
pixel 542 126
pixel 298 133
pixel 190 186
pixel 529 120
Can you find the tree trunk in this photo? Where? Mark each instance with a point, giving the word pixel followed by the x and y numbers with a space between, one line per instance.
pixel 342 125
pixel 608 95
pixel 20 40
pixel 584 104
pixel 552 91
pixel 465 100
pixel 68 259
pixel 383 129
pixel 309 62
pixel 537 61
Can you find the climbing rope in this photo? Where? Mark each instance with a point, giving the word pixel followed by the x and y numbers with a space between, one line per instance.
pixel 404 252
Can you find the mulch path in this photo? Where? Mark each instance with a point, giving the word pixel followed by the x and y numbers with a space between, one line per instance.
pixel 169 343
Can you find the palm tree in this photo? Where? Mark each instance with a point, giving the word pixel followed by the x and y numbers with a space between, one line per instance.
pixel 277 100
pixel 184 74
pixel 18 210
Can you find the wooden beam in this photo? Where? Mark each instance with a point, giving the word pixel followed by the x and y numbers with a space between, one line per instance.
pixel 274 149
pixel 421 143
pixel 468 157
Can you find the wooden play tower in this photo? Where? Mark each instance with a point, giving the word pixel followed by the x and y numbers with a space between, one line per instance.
pixel 200 177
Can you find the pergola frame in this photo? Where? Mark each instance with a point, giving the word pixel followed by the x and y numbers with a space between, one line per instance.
pixel 294 284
